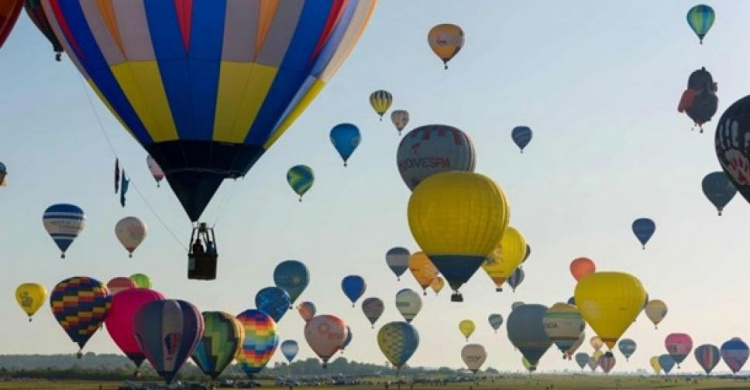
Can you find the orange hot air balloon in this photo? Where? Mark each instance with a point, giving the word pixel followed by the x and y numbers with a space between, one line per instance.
pixel 581 267
pixel 423 270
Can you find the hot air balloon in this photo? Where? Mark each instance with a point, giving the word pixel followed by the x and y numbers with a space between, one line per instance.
pixel 306 310
pixel 423 270
pixel 596 355
pixel 731 149
pixel 592 363
pixel 610 302
pixel 289 349
pixel 457 218
pixel 292 276
pixel 437 284
pixel 582 358
pixel 223 336
pixel 398 341
pixel 708 356
pixel 700 19
pixel 155 170
pixel 349 336
pixel 627 347
pixel 373 309
pixel 573 348
pixel 30 297
pixel 606 362
pixel 141 280
pixel 120 283
pixel 526 331
pixel 516 278
pixel 80 305
pixel 516 305
pixel 325 334
pixel 36 14
pixel 734 353
pixel 167 332
pixel 581 267
pixel 446 40
pixel 563 324
pixel 212 85
pixel 596 343
pixel 521 136
pixel 64 222
pixel 400 119
pixel 572 301
pixel 654 362
pixel 353 286
pixel 345 138
pixel 273 301
pixel 506 257
pixel 679 346
pixel 656 310
pixel 666 363
pixel 381 101
pixel 130 232
pixel 699 100
pixel 120 321
pixel 495 320
pixel 718 189
pixel 474 356
pixel 3 174
pixel 260 342
pixel 643 228
pixel 398 260
pixel 466 327
pixel 408 303
pixel 432 149
pixel 9 11
pixel 528 253
pixel 301 179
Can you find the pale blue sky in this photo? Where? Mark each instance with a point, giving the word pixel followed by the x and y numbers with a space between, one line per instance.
pixel 598 82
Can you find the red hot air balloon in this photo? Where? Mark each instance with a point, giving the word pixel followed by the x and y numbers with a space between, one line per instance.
pixel 120 320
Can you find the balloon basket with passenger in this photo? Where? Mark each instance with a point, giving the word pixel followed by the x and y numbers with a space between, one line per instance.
pixel 203 255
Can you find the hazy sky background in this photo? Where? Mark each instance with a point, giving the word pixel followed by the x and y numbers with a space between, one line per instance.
pixel 598 82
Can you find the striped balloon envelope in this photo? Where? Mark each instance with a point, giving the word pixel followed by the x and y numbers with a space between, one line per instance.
pixel 63 222
pixel 708 356
pixel 36 14
pixel 408 303
pixel 607 362
pixel 80 305
pixel 260 342
pixel 398 260
pixel 700 19
pixel 381 101
pixel 289 348
pixel 223 336
pixel 734 353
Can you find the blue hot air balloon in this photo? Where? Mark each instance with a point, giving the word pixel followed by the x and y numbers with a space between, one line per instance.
pixel 516 278
pixel 627 347
pixel 666 363
pixel 354 286
pixel 734 353
pixel 718 189
pixel 708 356
pixel 643 228
pixel 582 358
pixel 572 301
pixel 496 320
pixel 348 339
pixel 63 222
pixel 521 136
pixel 526 331
pixel 289 349
pixel 293 277
pixel 345 138
pixel 701 18
pixel 273 301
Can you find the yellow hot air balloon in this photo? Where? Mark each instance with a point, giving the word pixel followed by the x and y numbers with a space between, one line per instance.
pixel 446 40
pixel 655 364
pixel 609 302
pixel 467 327
pixel 506 257
pixel 457 218
pixel 31 296
pixel 596 342
pixel 437 284
pixel 596 355
pixel 656 310
pixel 423 270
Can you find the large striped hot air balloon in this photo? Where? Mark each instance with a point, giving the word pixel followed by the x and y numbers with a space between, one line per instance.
pixel 80 305
pixel 260 341
pixel 63 222
pixel 708 356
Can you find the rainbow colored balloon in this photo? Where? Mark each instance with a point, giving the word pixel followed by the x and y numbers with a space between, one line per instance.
pixel 80 305
pixel 260 342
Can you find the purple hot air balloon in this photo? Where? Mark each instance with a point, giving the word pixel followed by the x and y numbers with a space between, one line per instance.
pixel 708 357
pixel 734 353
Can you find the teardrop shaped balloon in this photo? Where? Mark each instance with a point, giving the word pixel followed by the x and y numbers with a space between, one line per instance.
pixel 400 119
pixel 708 356
pixel 289 348
pixel 446 40
pixel 437 284
pixel 398 341
pixel 679 346
pixel 666 363
pixel 467 327
pixel 563 324
pixel 643 228
pixel 301 179
pixel 656 310
pixel 345 138
pixel 526 331
pixel 457 218
pixel 596 343
pixel 610 302
pixel 700 19
pixel 433 149
pixel 121 319
pixel 36 13
pixel 381 101
pixel 423 270
pixel 474 356
pixel 373 309
pixel 734 353
pixel 325 334
pixel 592 363
pixel 495 320
pixel 581 267
pixel 718 189
pixel 30 297
pixel 398 260
pixel 292 276
pixel 167 332
pixel 64 222
pixel 120 283
pixel 130 232
pixel 627 347
pixel 223 336
pixel 606 362
pixel 155 170
pixel 261 341
pixel 273 301
pixel 582 358
pixel 141 280
pixel 654 362
pixel 516 278
pixel 348 340
pixel 354 286
pixel 506 257
pixel 408 303
pixel 306 310
pixel 80 305
pixel 9 11
pixel 521 136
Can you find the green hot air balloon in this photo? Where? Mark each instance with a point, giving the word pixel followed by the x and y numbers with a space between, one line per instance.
pixel 301 179
pixel 223 336
pixel 701 18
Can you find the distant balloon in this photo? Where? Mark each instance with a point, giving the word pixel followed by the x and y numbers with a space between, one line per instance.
pixel 437 284
pixel 521 136
pixel 699 100
pixel 572 301
pixel 30 297
pixel 446 40
pixel 718 189
pixel 515 305
pixel 261 341
pixel 289 348
pixel 581 267
pixel 345 138
pixel 593 363
pixel 141 280
pixel 495 320
pixel 526 331
pixel 654 362
pixel 398 260
pixel 666 363
pixel 516 278
pixel 708 356
pixel 467 327
pixel 301 179
pixel 474 356
pixel 582 358
pixel 325 334
pixel 349 336
pixel 63 222
pixel 130 232
pixel 596 343
pixel 606 362
pixel 398 341
pixel 734 353
pixel 353 286
pixel 656 310
pixel 408 303
pixel 400 119
pixel 80 305
pixel 381 101
pixel 373 309
pixel 273 301
pixel 120 321
pixel 155 170
pixel 627 347
pixel 223 336
pixel 563 324
pixel 506 257
pixel 700 19
pixel 292 276
pixel 36 13
pixel 306 310
pixel 679 346
pixel 643 228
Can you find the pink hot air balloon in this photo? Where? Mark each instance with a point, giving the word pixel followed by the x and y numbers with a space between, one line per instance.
pixel 325 334
pixel 678 346
pixel 120 320
pixel 306 310
pixel 119 284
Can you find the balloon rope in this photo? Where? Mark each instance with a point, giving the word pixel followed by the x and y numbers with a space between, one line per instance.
pixel 132 181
